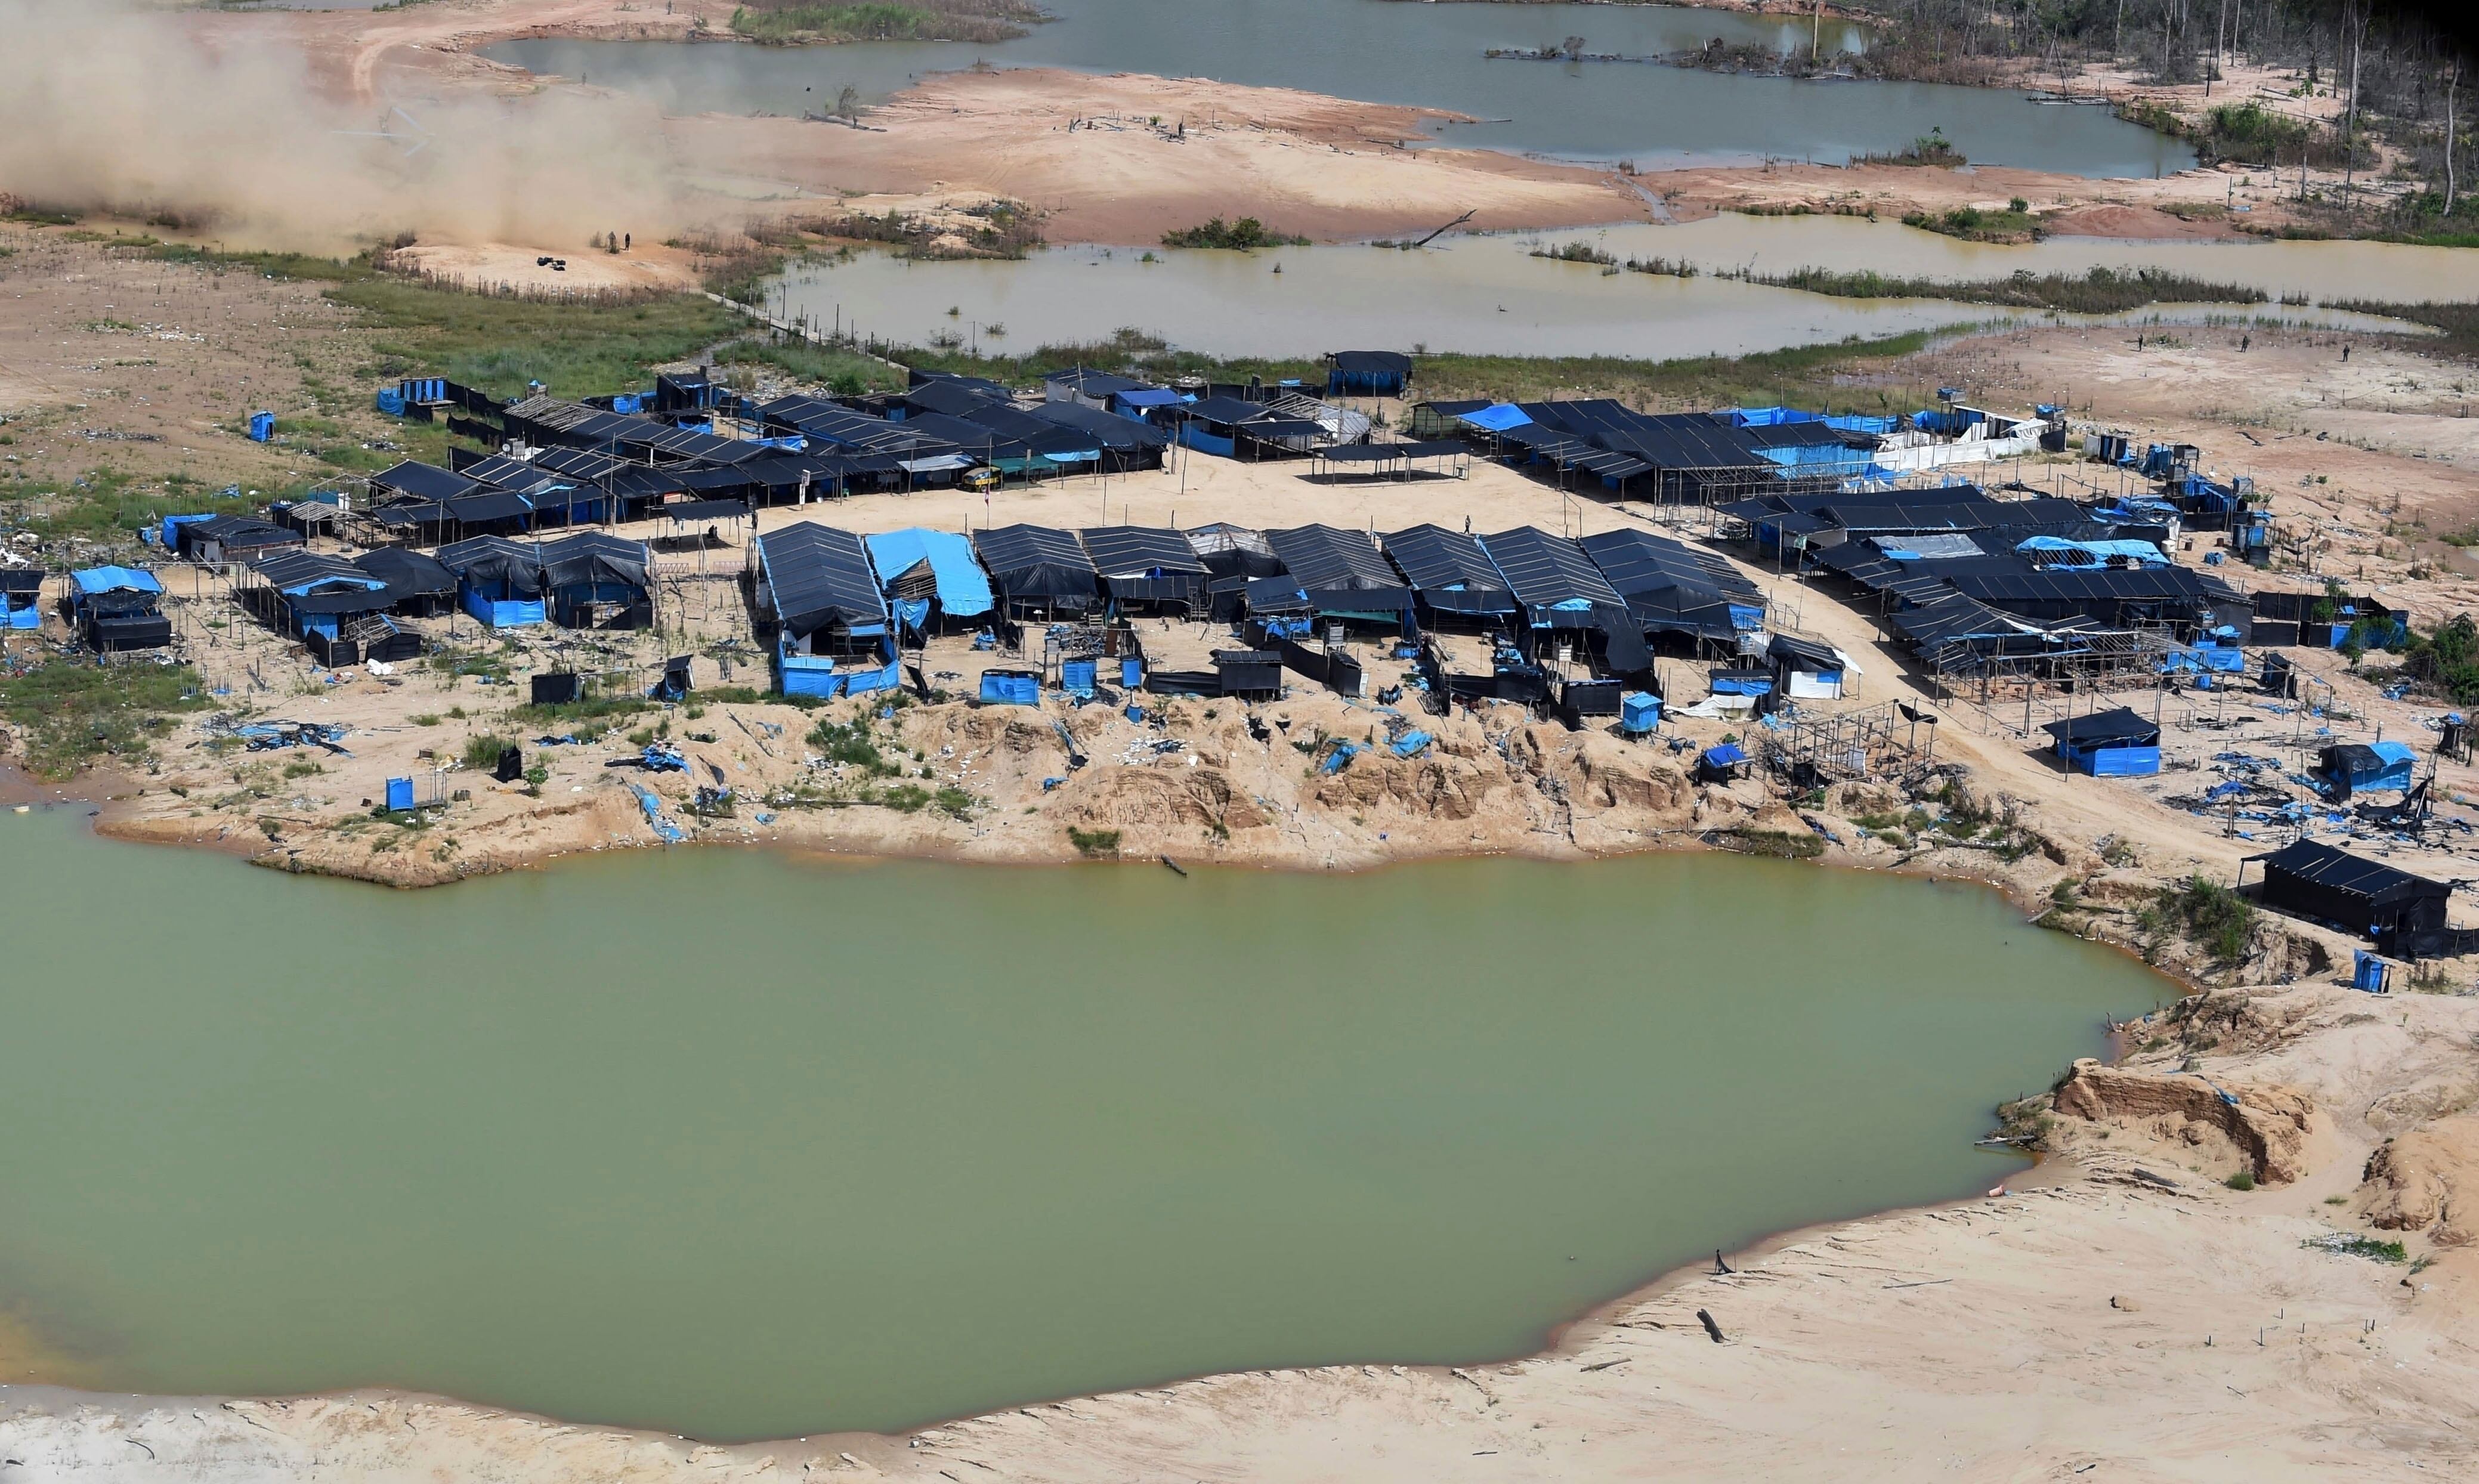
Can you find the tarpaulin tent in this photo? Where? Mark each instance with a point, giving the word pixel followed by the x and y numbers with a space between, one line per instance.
pixel 1449 572
pixel 2317 881
pixel 1146 564
pixel 1367 373
pixel 21 591
pixel 2115 743
pixel 1671 586
pixel 921 568
pixel 823 596
pixel 416 584
pixel 113 608
pixel 1011 687
pixel 1036 570
pixel 2350 768
pixel 1342 572
pixel 1560 588
pixel 498 581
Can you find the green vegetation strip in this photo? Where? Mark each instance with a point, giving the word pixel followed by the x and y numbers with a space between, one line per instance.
pixel 73 713
pixel 793 23
pixel 1244 235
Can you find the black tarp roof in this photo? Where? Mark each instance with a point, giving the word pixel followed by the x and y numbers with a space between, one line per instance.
pixel 2339 870
pixel 423 481
pixel 2116 726
pixel 1106 428
pixel 1664 440
pixel 1806 653
pixel 407 574
pixel 303 569
pixel 1224 409
pixel 232 531
pixel 1639 561
pixel 593 556
pixel 581 463
pixel 1544 570
pixel 1449 570
pixel 488 504
pixel 503 473
pixel 21 579
pixel 1139 550
pixel 1233 550
pixel 1036 562
pixel 820 576
pixel 1339 569
pixel 1368 361
pixel 706 510
pixel 1087 382
pixel 492 559
pixel 954 398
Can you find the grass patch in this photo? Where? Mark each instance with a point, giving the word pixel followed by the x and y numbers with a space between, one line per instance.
pixel 496 344
pixel 845 373
pixel 1779 844
pixel 1245 235
pixel 1976 224
pixel 483 751
pixel 853 745
pixel 1093 844
pixel 1576 252
pixel 72 713
pixel 2101 290
pixel 2211 915
pixel 802 22
pixel 103 505
pixel 2353 1245
pixel 1932 149
pixel 590 708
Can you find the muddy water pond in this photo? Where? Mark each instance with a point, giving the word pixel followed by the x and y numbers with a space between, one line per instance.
pixel 1431 55
pixel 741 1144
pixel 1491 296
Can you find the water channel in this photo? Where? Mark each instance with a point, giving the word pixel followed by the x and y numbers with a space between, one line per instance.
pixel 742 1144
pixel 1490 295
pixel 1380 52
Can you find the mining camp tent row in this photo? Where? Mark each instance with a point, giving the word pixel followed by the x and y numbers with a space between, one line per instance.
pixel 1671 587
pixel 1560 588
pixel 829 614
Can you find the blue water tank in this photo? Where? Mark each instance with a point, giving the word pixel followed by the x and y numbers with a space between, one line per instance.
pixel 1132 673
pixel 1639 711
pixel 262 426
pixel 399 793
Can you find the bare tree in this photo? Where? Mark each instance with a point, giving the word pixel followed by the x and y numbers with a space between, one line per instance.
pixel 2452 81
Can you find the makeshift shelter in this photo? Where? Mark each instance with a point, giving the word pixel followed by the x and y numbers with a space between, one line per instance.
pixel 1561 589
pixel 1151 568
pixel 929 576
pixel 1231 551
pixel 22 592
pixel 1341 572
pixel 1809 671
pixel 1083 386
pixel 1037 571
pixel 498 581
pixel 1367 373
pixel 817 591
pixel 1011 687
pixel 1451 575
pixel 2351 768
pixel 1671 587
pixel 2115 743
pixel 592 580
pixel 417 586
pixel 114 609
pixel 1124 443
pixel 314 598
pixel 229 538
pixel 2403 913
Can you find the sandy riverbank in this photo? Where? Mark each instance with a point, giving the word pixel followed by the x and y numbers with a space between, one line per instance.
pixel 1327 167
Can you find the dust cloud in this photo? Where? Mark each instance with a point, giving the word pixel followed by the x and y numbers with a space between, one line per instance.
pixel 105 107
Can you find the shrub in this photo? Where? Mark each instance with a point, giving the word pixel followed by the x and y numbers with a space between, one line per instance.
pixel 2243 1180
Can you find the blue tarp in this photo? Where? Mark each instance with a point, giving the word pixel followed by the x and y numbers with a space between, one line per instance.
pixel 1011 687
pixel 1496 419
pixel 964 588
pixel 2143 551
pixel 2115 761
pixel 1076 676
pixel 1727 754
pixel 115 579
pixel 1742 685
pixel 1412 744
pixel 2206 658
